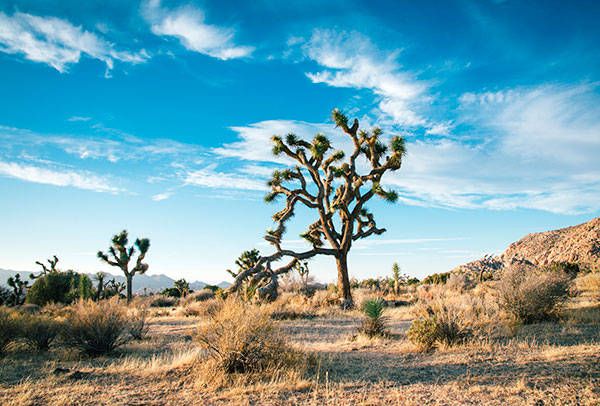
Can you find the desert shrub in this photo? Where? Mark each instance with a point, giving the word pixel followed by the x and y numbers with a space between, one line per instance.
pixel 138 323
pixel 447 317
pixel 324 299
pixel 163 301
pixel 374 323
pixel 436 278
pixel 459 282
pixel 96 328
pixel 242 339
pixel 171 292
pixel 567 268
pixel 39 331
pixel 29 308
pixel 532 296
pixel 5 295
pixel 59 287
pixel 423 332
pixel 589 284
pixel 9 327
pixel 192 309
pixel 203 295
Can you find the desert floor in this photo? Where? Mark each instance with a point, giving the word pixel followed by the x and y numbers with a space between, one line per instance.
pixel 543 364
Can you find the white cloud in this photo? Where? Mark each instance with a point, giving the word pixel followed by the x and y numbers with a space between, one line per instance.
pixel 36 174
pixel 188 26
pixel 57 42
pixel 255 139
pixel 534 148
pixel 209 177
pixel 159 197
pixel 537 148
pixel 353 61
pixel 74 119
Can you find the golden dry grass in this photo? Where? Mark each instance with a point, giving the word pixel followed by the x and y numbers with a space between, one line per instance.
pixel 553 363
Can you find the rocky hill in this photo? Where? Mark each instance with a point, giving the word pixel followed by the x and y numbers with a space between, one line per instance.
pixel 578 244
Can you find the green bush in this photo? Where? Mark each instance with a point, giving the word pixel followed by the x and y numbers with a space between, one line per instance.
pixel 423 332
pixel 59 287
pixel 96 328
pixel 39 331
pixel 374 323
pixel 9 327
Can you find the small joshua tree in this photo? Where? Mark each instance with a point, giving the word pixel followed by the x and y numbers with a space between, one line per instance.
pixel 396 276
pixel 324 181
pixel 52 262
pixel 99 277
pixel 258 283
pixel 303 271
pixel 19 288
pixel 121 255
pixel 183 287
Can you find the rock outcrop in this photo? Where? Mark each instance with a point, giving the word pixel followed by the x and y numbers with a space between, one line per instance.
pixel 578 244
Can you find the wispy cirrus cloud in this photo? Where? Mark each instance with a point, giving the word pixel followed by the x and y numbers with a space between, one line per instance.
pixel 210 177
pixel 57 177
pixel 352 60
pixel 187 24
pixel 58 43
pixel 533 148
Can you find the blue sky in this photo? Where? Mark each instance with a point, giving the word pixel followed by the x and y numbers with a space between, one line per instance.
pixel 155 116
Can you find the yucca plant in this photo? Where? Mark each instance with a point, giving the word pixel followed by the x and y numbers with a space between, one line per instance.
pixel 374 323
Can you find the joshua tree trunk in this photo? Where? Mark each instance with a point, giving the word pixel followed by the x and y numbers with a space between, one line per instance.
pixel 344 281
pixel 129 287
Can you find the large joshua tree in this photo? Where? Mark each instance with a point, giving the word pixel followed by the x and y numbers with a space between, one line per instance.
pixel 330 183
pixel 120 255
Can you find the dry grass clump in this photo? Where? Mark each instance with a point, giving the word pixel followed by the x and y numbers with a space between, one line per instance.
pixel 532 296
pixel 9 327
pixel 39 331
pixel 163 301
pixel 447 317
pixel 96 328
pixel 138 323
pixel 243 343
pixel 292 306
pixel 589 285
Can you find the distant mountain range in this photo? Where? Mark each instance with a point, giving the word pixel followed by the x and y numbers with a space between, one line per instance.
pixel 152 283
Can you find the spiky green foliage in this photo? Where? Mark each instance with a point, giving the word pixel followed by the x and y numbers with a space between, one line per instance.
pixel 320 146
pixel 120 254
pixel 339 118
pixel 374 323
pixel 389 196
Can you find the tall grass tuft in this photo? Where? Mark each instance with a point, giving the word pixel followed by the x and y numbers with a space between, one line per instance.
pixel 39 331
pixel 96 328
pixel 241 339
pixel 9 328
